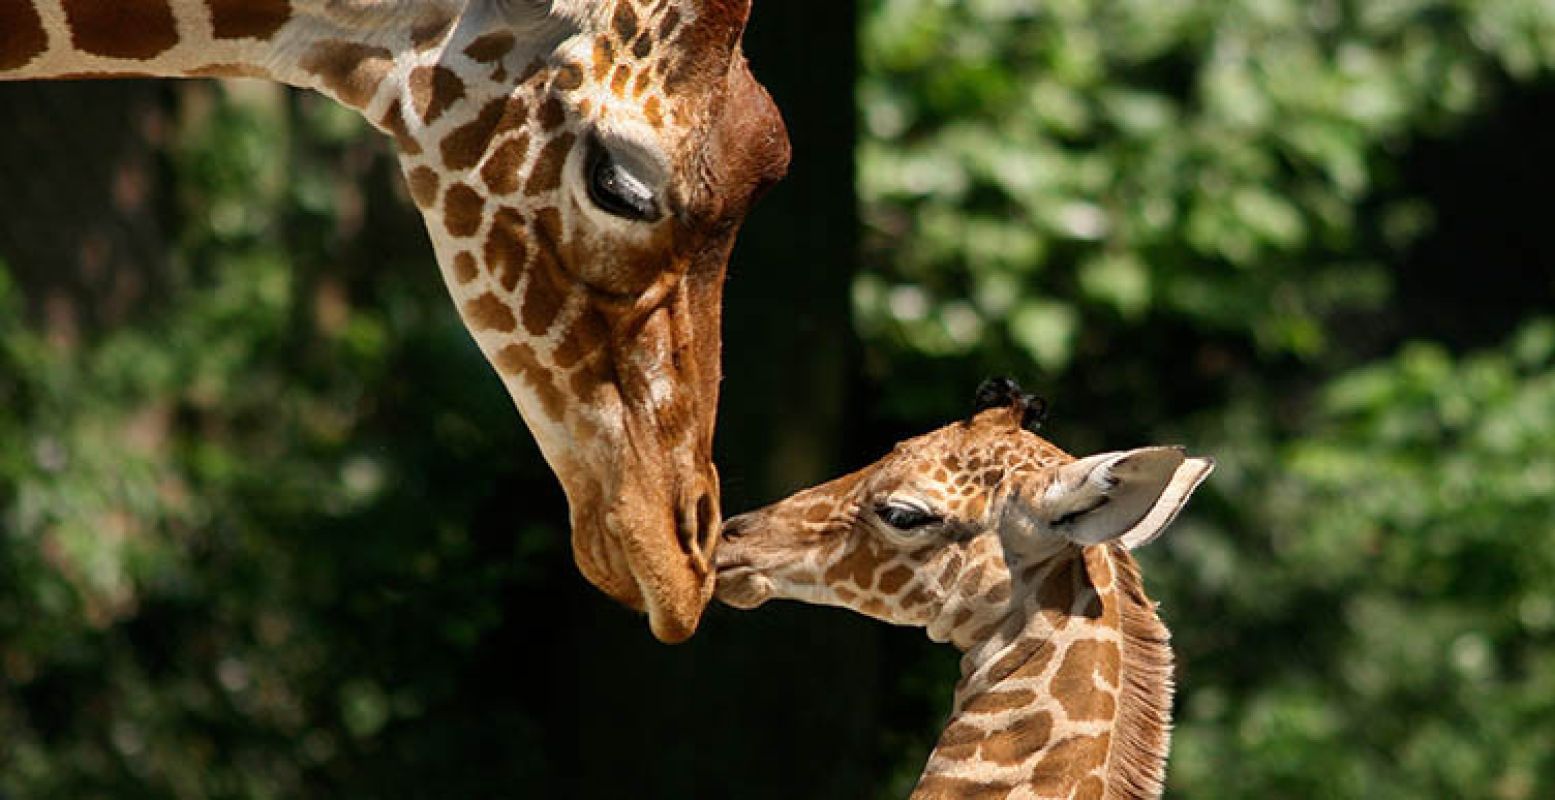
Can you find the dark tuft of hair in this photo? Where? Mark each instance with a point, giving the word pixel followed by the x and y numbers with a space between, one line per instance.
pixel 1004 392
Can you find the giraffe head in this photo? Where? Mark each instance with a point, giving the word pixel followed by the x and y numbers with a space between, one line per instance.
pixel 584 167
pixel 924 535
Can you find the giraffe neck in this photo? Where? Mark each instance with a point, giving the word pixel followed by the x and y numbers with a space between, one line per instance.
pixel 1071 699
pixel 344 48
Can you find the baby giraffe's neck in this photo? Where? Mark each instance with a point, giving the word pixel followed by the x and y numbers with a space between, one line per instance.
pixel 1070 699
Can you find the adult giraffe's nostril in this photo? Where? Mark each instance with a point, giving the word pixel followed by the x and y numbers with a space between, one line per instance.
pixel 696 525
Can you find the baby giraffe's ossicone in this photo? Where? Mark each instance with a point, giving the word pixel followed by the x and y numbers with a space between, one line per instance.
pixel 997 541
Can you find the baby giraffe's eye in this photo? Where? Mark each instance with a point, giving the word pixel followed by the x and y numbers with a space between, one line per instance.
pixel 904 517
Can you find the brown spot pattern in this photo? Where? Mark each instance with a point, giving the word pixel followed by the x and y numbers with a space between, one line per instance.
pixel 393 123
pixel 506 252
pixel 1068 762
pixel 433 90
pixel 491 48
pixel 586 337
pixel 1027 657
pixel 248 19
pixel 1019 741
pixel 546 176
pixel 24 37
pixel 894 579
pixel 464 147
pixel 857 566
pixel 132 29
pixel 500 172
pixel 462 209
pixel 543 298
pixel 520 359
pixel 350 71
pixel 551 114
pixel 488 313
pixel 424 186
pixel 1074 684
pixel 1091 788
pixel 994 702
pixel 465 268
pixel 431 30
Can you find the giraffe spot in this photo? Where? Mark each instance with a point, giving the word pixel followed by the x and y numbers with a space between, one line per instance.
pixel 568 78
pixel 873 607
pixel 24 37
pixel 941 475
pixel 945 787
pixel 653 112
pixel 548 226
pixel 248 19
pixel 506 252
pixel 546 175
pixel 1056 594
pixel 520 360
pixel 1026 658
pixel 544 297
pixel 1018 740
pixel 957 733
pixel 642 47
pixel 585 338
pixel 999 701
pixel 668 25
pixel 845 594
pixel 962 617
pixel 857 566
pixel 1074 684
pixel 894 579
pixel 817 514
pixel 551 114
pixel 915 598
pixel 431 30
pixel 134 29
pixel 1068 762
pixel 644 79
pixel 515 117
pixel 604 57
pixel 433 90
pixel 351 72
pixel 1092 788
pixel 462 209
pixel 625 22
pixel 971 582
pixel 488 313
pixel 465 269
pixel 999 593
pixel 466 144
pixel 491 48
pixel 618 81
pixel 951 569
pixel 424 186
pixel 393 123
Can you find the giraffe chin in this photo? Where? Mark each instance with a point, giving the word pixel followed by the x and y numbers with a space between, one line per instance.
pixel 622 562
pixel 742 587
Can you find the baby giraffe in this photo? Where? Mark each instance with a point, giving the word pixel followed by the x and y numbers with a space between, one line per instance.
pixel 1018 554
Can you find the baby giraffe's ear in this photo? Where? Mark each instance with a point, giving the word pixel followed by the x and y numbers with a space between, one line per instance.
pixel 1130 496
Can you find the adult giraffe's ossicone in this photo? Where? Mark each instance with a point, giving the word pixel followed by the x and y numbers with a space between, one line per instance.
pixel 583 167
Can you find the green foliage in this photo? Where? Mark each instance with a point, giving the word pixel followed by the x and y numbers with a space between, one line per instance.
pixel 1033 170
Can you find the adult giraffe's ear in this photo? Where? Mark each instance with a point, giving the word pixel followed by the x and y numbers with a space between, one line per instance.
pixel 1129 497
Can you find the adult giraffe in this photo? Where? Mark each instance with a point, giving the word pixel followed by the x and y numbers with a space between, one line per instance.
pixel 583 168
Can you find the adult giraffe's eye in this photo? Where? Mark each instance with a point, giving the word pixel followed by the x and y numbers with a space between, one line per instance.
pixel 617 189
pixel 904 517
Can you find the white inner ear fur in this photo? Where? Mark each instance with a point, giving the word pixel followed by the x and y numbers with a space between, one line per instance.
pixel 1129 496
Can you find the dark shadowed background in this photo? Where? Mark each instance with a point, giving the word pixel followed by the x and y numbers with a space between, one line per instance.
pixel 269 527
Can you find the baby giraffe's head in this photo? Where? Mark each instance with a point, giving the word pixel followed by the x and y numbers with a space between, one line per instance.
pixel 922 536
